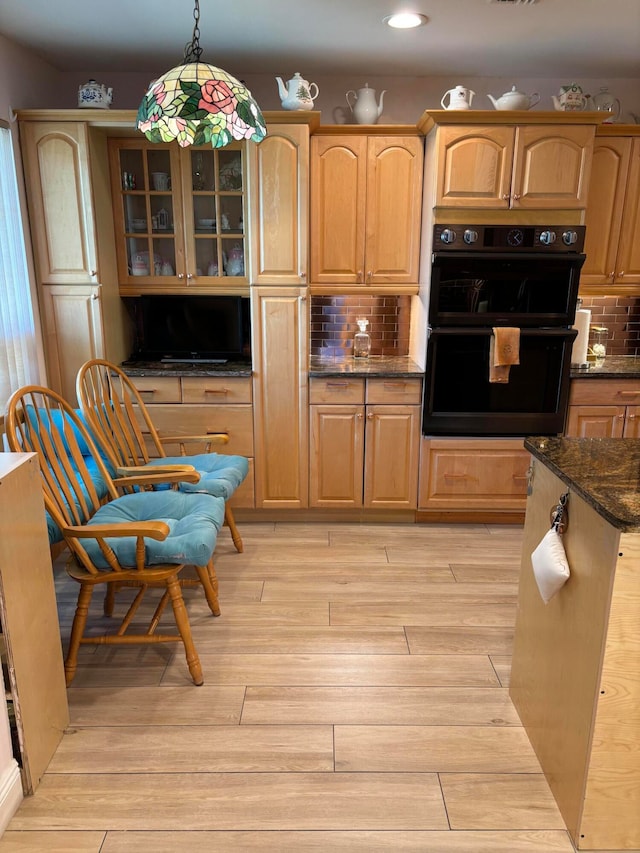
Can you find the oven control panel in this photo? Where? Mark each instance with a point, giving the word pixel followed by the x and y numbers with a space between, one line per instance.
pixel 509 238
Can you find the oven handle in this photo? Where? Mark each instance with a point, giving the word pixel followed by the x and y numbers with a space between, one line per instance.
pixel 538 332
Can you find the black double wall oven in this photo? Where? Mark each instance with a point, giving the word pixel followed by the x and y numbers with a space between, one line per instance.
pixel 490 276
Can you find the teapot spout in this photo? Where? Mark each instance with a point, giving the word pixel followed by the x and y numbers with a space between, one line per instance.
pixel 556 103
pixel 282 89
pixel 380 102
pixel 493 101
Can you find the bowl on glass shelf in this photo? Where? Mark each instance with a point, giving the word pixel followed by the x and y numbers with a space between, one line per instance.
pixel 138 224
pixel 206 224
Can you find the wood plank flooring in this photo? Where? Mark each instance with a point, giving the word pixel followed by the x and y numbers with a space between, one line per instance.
pixel 355 698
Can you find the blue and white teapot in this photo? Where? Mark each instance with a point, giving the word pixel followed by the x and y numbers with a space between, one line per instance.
pixel 94 95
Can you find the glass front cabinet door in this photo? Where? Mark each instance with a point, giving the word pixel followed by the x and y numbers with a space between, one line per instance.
pixel 179 217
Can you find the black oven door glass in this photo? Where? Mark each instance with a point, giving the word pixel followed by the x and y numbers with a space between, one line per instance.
pixel 460 400
pixel 488 290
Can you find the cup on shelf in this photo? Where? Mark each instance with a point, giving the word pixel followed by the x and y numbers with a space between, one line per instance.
pixel 160 180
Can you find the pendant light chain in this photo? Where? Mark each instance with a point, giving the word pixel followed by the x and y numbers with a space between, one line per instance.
pixel 193 51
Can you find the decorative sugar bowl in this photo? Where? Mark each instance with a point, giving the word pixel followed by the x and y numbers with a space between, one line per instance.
pixel 94 95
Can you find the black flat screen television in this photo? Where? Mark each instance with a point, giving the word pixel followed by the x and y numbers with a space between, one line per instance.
pixel 192 328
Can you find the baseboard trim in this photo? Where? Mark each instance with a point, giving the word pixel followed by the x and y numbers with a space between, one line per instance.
pixel 347 516
pixel 470 516
pixel 11 794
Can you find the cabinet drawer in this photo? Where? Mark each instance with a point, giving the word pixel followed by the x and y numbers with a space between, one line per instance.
pixel 473 474
pixel 158 389
pixel 394 390
pixel 236 421
pixel 604 392
pixel 216 389
pixel 336 389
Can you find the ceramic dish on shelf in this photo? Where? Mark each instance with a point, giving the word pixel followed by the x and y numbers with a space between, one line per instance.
pixel 138 224
pixel 206 223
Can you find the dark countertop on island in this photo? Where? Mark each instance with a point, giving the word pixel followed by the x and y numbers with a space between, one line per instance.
pixel 398 366
pixel 188 368
pixel 605 472
pixel 614 367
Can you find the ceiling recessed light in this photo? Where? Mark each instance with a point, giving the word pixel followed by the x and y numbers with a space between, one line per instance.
pixel 406 20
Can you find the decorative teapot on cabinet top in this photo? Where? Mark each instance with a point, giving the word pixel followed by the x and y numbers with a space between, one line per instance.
pixel 570 98
pixel 94 95
pixel 297 94
pixel 459 99
pixel 365 110
pixel 514 100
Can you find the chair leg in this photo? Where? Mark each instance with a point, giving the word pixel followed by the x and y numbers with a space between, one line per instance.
pixel 77 631
pixel 182 622
pixel 109 599
pixel 210 590
pixel 230 521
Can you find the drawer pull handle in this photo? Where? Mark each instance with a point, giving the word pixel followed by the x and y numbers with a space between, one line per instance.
pixel 448 476
pixel 147 390
pixel 524 477
pixel 629 393
pixel 216 390
pixel 338 384
pixel 388 384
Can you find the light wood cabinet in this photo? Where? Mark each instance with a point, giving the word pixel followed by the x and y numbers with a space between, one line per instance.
pixel 473 474
pixel 30 631
pixel 366 194
pixel 72 236
pixel 364 442
pixel 604 408
pixel 179 217
pixel 502 166
pixel 204 405
pixel 278 173
pixel 612 244
pixel 279 328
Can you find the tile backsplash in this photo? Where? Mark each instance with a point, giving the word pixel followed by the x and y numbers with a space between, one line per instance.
pixel 333 324
pixel 621 316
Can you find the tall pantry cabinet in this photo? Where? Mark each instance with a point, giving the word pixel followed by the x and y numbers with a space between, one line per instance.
pixel 72 235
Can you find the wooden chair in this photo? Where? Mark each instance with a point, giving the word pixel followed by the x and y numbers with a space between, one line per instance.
pixel 142 539
pixel 122 426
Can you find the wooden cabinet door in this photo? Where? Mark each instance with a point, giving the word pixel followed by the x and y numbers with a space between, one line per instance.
pixel 56 158
pixel 394 201
pixel 337 456
pixel 552 166
pixel 595 421
pixel 392 450
pixel 280 358
pixel 632 422
pixel 73 333
pixel 278 189
pixel 607 188
pixel 628 263
pixel 474 166
pixel 338 201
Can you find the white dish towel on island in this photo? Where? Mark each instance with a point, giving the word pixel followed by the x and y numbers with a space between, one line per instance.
pixel 549 560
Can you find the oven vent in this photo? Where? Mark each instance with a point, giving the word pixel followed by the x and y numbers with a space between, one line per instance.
pixel 514 2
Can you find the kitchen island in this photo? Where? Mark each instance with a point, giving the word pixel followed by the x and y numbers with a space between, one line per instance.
pixel 575 678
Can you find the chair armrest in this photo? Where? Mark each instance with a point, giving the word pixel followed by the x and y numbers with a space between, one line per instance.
pixel 153 529
pixel 144 470
pixel 162 479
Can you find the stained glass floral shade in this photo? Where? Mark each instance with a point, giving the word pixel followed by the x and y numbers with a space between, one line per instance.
pixel 199 104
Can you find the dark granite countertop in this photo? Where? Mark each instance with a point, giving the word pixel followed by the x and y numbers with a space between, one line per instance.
pixel 375 365
pixel 189 368
pixel 605 472
pixel 614 367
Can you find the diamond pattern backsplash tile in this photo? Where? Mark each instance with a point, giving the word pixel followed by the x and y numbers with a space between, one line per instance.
pixel 333 324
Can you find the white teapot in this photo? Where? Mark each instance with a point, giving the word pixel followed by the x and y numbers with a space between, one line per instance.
pixel 459 99
pixel 94 95
pixel 514 100
pixel 365 110
pixel 298 93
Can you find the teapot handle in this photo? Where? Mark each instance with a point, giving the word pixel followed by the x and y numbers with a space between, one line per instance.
pixel 351 92
pixel 311 88
pixel 533 102
pixel 442 103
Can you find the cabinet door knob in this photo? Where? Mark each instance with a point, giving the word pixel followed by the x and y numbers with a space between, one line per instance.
pixel 516 196
pixel 302 275
pixel 180 275
pixel 612 275
pixel 506 197
pixel 189 276
pixel 359 415
pixel 93 273
pixel 369 416
pixel 621 273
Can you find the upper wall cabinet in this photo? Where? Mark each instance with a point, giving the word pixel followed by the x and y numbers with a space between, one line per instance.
pixel 612 243
pixel 179 217
pixel 278 178
pixel 509 160
pixel 61 208
pixel 366 195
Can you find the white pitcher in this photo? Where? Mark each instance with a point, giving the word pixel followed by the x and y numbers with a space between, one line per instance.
pixel 459 99
pixel 365 110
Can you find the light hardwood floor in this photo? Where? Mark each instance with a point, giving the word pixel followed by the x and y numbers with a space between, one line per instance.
pixel 355 698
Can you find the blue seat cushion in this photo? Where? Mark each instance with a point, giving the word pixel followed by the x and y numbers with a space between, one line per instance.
pixel 193 520
pixel 220 475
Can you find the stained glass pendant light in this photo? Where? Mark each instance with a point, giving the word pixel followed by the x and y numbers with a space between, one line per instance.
pixel 199 104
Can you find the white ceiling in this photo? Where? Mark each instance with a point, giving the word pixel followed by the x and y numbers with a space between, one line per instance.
pixel 563 39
